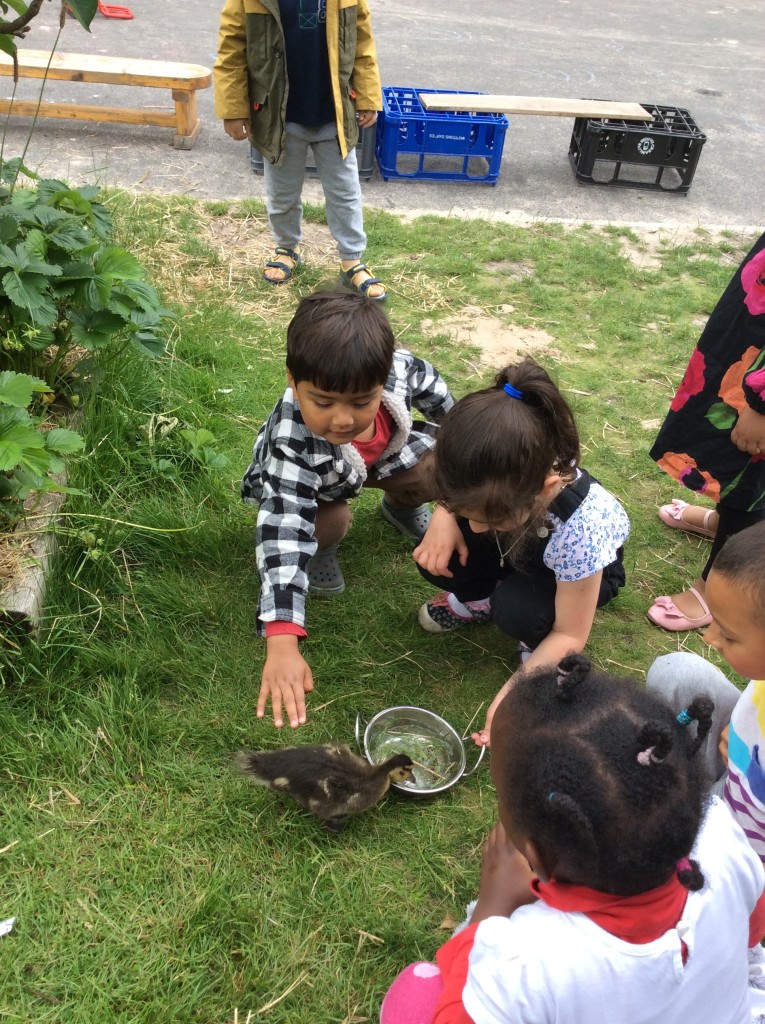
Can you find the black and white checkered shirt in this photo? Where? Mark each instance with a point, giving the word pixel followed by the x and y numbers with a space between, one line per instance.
pixel 292 469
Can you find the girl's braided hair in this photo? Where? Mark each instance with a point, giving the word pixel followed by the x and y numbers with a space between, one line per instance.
pixel 600 775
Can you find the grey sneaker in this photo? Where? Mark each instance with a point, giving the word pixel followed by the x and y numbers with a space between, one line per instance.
pixel 412 522
pixel 324 576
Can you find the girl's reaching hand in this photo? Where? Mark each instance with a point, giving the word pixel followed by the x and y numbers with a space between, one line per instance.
pixel 505 878
pixel 482 738
pixel 442 539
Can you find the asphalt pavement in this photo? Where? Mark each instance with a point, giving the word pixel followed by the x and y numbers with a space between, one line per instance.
pixel 707 58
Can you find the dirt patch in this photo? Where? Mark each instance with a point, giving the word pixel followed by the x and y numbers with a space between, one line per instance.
pixel 244 241
pixel 498 344
pixel 511 271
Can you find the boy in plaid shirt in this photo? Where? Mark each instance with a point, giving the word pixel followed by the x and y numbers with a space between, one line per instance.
pixel 345 422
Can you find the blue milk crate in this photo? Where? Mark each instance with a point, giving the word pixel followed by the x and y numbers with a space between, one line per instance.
pixel 437 145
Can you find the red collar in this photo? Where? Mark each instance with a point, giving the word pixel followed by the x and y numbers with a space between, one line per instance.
pixel 638 919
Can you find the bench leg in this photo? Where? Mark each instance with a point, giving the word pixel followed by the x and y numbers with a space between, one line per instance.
pixel 187 123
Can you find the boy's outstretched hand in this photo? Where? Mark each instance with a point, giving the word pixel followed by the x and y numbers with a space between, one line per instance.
pixel 286 680
pixel 505 878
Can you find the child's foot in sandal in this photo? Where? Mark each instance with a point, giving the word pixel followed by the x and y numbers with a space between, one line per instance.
pixel 358 277
pixel 280 269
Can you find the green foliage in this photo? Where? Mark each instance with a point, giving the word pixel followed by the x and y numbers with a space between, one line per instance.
pixel 63 284
pixel 17 14
pixel 28 455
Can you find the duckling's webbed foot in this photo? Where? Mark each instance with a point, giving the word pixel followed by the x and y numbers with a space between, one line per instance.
pixel 335 824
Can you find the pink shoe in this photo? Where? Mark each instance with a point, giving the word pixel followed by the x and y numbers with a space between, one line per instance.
pixel 665 613
pixel 672 515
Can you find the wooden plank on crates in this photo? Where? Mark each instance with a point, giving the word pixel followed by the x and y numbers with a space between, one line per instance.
pixel 545 106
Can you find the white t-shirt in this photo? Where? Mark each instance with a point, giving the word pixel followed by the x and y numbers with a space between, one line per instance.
pixel 589 540
pixel 546 966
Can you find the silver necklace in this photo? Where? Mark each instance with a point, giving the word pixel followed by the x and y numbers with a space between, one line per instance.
pixel 542 531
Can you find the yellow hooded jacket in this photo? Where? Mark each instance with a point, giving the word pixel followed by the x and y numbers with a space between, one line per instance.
pixel 250 76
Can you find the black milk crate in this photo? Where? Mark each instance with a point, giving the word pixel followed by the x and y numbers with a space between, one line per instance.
pixel 365 155
pixel 437 145
pixel 660 154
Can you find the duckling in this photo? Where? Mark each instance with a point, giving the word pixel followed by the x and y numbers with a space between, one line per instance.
pixel 328 780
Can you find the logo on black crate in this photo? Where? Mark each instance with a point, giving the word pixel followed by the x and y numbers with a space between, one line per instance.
pixel 646 145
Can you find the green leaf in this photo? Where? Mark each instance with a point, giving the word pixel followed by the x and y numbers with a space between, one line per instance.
pixel 9 227
pixel 198 438
pixel 143 294
pixel 76 270
pixel 15 257
pixel 68 234
pixel 148 344
pixel 30 292
pixel 119 263
pixel 10 455
pixel 16 389
pixel 37 245
pixel 63 441
pixel 83 10
pixel 19 6
pixel 98 291
pixel 722 416
pixel 95 328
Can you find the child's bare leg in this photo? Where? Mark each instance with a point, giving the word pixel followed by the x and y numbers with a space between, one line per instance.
pixel 333 520
pixel 404 504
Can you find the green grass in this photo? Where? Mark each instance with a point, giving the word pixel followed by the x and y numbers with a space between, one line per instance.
pixel 148 881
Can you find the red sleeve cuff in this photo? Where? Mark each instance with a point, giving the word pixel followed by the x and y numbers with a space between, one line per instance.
pixel 757 922
pixel 452 959
pixel 283 629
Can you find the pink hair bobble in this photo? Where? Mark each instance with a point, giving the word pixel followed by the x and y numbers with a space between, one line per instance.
pixel 683 865
pixel 647 757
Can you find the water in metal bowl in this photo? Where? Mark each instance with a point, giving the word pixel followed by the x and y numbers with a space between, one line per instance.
pixel 435 747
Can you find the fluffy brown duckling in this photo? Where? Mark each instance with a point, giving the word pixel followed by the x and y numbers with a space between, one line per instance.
pixel 328 780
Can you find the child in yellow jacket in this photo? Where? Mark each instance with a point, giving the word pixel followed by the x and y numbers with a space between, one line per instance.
pixel 292 74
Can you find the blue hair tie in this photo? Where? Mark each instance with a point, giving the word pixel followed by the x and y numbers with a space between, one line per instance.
pixel 684 718
pixel 513 392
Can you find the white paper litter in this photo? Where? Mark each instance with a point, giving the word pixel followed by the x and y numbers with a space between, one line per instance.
pixel 6 927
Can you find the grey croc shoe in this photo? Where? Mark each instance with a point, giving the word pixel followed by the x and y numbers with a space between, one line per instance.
pixel 412 522
pixel 324 576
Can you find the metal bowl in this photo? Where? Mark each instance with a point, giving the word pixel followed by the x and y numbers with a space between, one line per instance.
pixel 433 744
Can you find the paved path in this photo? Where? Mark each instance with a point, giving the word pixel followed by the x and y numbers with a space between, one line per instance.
pixel 708 57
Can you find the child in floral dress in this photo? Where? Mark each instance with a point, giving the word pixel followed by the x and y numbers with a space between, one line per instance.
pixel 713 439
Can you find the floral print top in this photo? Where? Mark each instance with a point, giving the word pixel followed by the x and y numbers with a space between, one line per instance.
pixel 726 372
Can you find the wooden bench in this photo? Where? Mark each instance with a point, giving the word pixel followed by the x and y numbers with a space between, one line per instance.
pixel 541 105
pixel 182 79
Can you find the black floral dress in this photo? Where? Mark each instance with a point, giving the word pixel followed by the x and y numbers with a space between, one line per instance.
pixel 726 373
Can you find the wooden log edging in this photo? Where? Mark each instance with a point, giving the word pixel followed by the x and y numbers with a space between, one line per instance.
pixel 22 600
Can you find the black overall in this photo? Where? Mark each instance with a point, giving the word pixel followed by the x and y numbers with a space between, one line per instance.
pixel 522 597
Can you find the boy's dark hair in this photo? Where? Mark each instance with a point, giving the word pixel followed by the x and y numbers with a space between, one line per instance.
pixel 598 772
pixel 494 451
pixel 340 341
pixel 742 560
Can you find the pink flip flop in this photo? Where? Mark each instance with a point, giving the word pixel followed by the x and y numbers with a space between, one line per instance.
pixel 672 515
pixel 665 613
